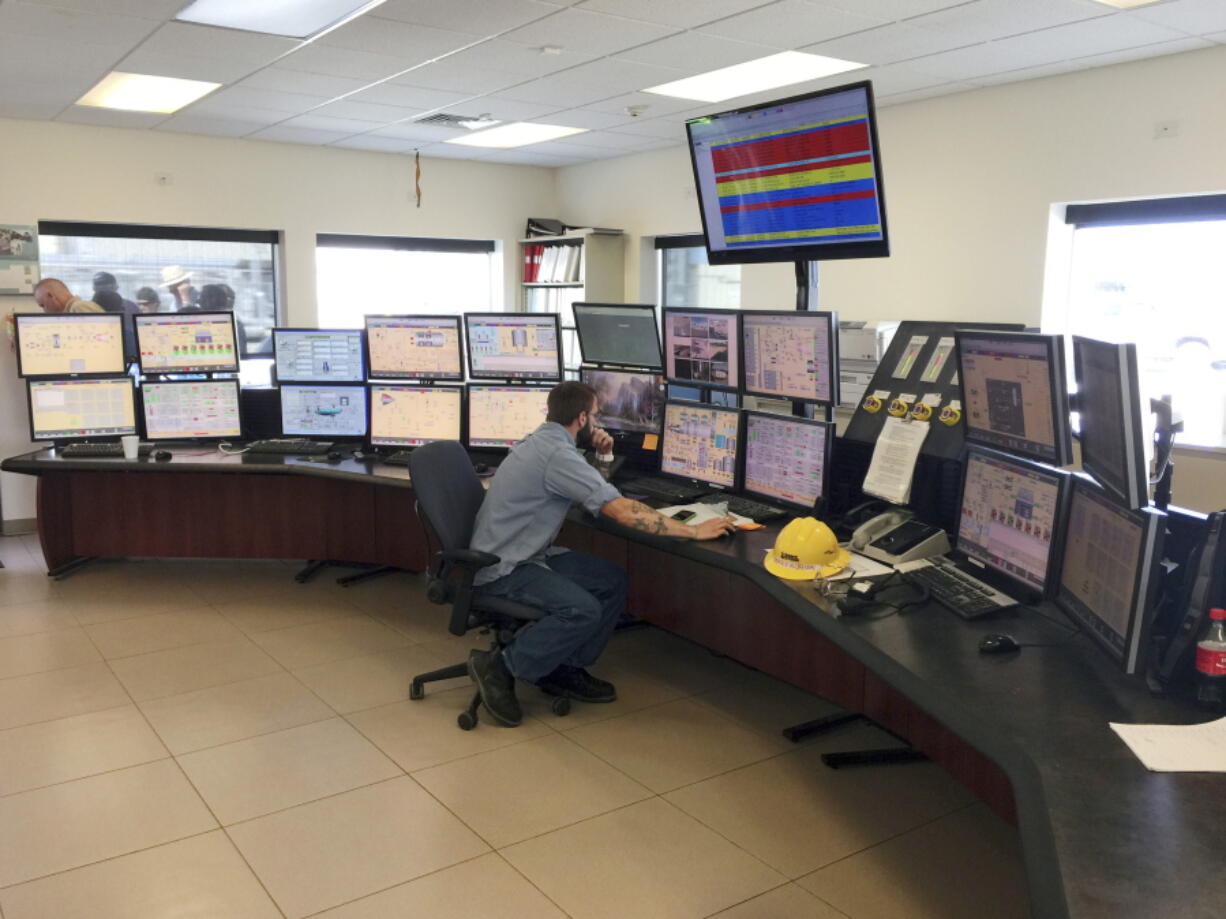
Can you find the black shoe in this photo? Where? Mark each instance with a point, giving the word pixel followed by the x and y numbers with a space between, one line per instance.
pixel 497 687
pixel 577 683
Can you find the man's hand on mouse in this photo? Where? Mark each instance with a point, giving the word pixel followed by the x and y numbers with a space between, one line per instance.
pixel 602 441
pixel 714 528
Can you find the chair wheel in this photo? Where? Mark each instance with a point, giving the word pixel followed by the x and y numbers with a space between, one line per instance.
pixel 416 691
pixel 466 720
pixel 561 706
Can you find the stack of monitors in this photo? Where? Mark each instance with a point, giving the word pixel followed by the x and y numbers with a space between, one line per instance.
pixel 414 348
pixel 186 343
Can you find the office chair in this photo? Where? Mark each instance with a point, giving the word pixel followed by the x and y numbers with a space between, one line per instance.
pixel 449 494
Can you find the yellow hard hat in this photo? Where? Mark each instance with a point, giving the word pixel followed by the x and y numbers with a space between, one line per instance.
pixel 806 549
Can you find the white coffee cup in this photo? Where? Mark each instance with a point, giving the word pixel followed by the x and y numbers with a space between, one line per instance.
pixel 131 446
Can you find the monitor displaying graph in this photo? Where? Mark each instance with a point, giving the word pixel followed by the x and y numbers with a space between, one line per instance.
pixel 67 344
pixel 192 410
pixel 409 416
pixel 81 409
pixel 186 343
pixel 414 347
pixel 501 416
pixel 323 411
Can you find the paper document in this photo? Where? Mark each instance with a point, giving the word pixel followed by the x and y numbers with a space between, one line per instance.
pixel 1177 747
pixel 860 566
pixel 704 512
pixel 893 464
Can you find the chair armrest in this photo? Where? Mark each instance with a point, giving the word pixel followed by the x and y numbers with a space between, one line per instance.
pixel 469 558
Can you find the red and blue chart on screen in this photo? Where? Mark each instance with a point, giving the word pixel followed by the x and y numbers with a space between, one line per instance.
pixel 797 173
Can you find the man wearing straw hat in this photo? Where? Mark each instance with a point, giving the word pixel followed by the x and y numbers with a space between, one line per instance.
pixel 179 283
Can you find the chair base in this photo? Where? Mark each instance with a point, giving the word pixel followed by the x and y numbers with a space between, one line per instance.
pixel 888 756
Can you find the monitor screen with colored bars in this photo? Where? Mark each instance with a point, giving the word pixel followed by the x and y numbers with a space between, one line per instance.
pixel 501 416
pixel 67 344
pixel 409 416
pixel 192 410
pixel 186 343
pixel 700 443
pixel 81 409
pixel 414 347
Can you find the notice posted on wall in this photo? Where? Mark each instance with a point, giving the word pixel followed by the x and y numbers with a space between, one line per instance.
pixel 18 259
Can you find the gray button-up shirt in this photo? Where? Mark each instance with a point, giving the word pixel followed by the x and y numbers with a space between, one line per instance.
pixel 527 501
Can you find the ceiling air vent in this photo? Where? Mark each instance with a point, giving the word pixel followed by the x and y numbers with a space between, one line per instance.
pixel 447 120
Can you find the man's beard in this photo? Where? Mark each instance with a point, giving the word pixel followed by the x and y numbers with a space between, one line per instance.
pixel 583 437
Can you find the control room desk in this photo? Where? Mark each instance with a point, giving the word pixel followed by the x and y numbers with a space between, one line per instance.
pixel 1101 836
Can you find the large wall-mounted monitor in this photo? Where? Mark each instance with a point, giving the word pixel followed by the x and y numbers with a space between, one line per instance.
pixel 787 460
pixel 1110 574
pixel 1010 519
pixel 318 355
pixel 409 416
pixel 790 355
pixel 1015 393
pixel 1109 403
pixel 325 411
pixel 77 409
pixel 791 180
pixel 186 342
pixel 501 416
pixel 629 402
pixel 702 347
pixel 192 410
pixel 414 347
pixel 69 344
pixel 700 443
pixel 514 346
pixel 620 334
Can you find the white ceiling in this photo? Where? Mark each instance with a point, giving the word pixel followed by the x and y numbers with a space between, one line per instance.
pixel 365 84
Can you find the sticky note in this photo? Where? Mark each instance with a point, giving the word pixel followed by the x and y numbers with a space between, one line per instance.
pixel 651 441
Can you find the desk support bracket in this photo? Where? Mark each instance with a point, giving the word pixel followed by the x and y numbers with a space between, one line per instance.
pixel 314 566
pixel 72 566
pixel 887 756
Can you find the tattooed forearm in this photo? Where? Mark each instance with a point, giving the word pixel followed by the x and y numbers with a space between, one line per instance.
pixel 639 516
pixel 644 518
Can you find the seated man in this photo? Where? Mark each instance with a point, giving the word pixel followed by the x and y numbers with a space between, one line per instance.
pixel 582 596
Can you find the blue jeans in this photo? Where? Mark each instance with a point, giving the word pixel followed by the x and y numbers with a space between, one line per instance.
pixel 582 596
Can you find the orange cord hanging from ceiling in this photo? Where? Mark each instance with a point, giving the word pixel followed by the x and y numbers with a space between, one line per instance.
pixel 417 176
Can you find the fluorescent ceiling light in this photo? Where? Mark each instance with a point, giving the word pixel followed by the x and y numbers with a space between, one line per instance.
pixel 140 92
pixel 1126 4
pixel 754 76
pixel 293 18
pixel 516 134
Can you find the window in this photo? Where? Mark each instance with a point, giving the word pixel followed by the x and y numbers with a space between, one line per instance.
pixel 357 275
pixel 165 269
pixel 687 280
pixel 1151 272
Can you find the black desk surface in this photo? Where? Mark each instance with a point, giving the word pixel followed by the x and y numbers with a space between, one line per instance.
pixel 1102 836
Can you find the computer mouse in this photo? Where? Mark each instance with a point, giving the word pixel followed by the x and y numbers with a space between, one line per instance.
pixel 335 456
pixel 481 469
pixel 162 455
pixel 998 644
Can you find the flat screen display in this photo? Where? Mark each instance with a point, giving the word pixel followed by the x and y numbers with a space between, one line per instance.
pixel 409 416
pixel 414 347
pixel 319 355
pixel 795 179
pixel 186 343
pixel 700 442
pixel 67 344
pixel 630 402
pixel 625 335
pixel 323 411
pixel 702 347
pixel 192 410
pixel 1109 403
pixel 501 416
pixel 81 409
pixel 514 346
pixel 787 459
pixel 790 355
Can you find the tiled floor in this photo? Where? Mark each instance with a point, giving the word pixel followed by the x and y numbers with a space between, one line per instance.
pixel 199 739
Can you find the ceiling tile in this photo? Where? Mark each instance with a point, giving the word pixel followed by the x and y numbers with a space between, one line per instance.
pixel 475 17
pixel 947 89
pixel 451 152
pixel 395 39
pixel 893 10
pixel 111 118
pixel 557 91
pixel 589 118
pixel 343 62
pixel 18 106
pixel 1195 17
pixel 887 44
pixel 588 33
pixel 695 52
pixel 366 111
pixel 209 107
pixel 422 133
pixel 297 135
pixel 270 99
pixel 299 81
pixel 344 126
pixel 454 77
pixel 1093 61
pixel 683 13
pixel 1098 36
pixel 791 24
pixel 985 20
pixel 592 82
pixel 509 57
pixel 530 157
pixel 185 66
pixel 191 123
pixel 71 25
pixel 46 62
pixel 504 109
pixel 610 140
pixel 379 144
pixel 407 96
pixel 900 78
pixel 209 42
pixel 666 128
pixel 654 105
pixel 149 9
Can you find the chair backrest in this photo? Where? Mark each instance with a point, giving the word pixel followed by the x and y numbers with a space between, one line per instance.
pixel 448 491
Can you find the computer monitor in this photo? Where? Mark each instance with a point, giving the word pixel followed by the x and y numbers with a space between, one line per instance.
pixel 787 460
pixel 514 346
pixel 186 342
pixel 409 416
pixel 629 402
pixel 1109 580
pixel 69 344
pixel 79 409
pixel 192 410
pixel 1015 391
pixel 1010 519
pixel 324 411
pixel 414 347
pixel 702 347
pixel 1109 403
pixel 318 355
pixel 619 334
pixel 791 355
pixel 700 443
pixel 501 416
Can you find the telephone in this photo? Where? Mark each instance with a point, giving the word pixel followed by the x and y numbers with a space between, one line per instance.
pixel 894 537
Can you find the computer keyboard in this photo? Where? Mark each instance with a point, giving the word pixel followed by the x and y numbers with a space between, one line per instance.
pixel 399 458
pixel 661 489
pixel 80 451
pixel 958 591
pixel 290 446
pixel 746 507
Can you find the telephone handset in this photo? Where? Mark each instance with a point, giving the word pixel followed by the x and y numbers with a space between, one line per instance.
pixel 895 537
pixel 877 526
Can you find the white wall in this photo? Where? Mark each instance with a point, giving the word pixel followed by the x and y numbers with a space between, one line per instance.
pixel 75 172
pixel 969 182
